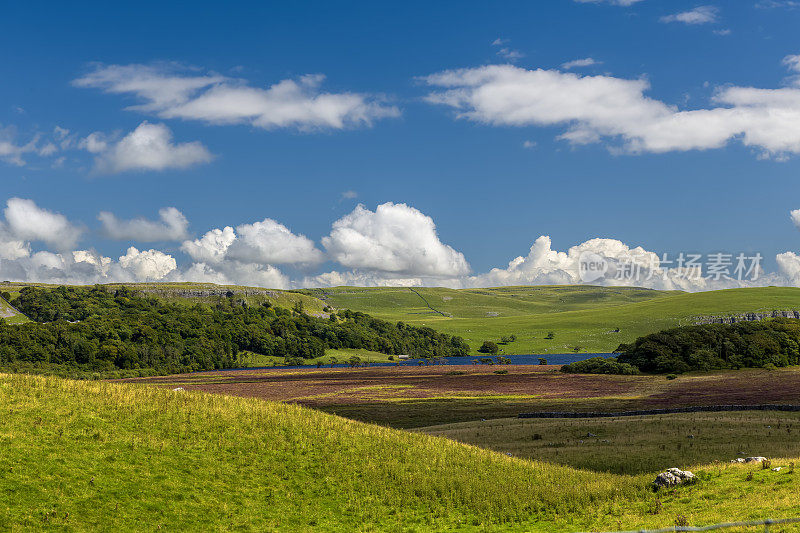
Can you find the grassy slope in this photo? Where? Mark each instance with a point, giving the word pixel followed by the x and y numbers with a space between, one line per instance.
pixel 250 359
pixel 87 455
pixel 579 315
pixel 11 315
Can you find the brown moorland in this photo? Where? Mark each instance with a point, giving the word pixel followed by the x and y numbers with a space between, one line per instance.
pixel 407 396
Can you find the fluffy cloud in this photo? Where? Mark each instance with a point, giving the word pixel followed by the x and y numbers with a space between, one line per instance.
pixel 789 266
pixel 148 265
pixel 698 15
pixel 12 247
pixel 366 279
pixel 260 242
pixel 594 108
pixel 394 238
pixel 580 63
pixel 172 92
pixel 27 221
pixel 87 266
pixel 172 227
pixel 211 247
pixel 795 216
pixel 395 245
pixel 271 242
pixel 247 255
pixel 148 147
pixel 625 266
pixel 233 272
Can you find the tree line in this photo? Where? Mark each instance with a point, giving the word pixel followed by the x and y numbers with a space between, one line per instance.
pixel 101 329
pixel 767 343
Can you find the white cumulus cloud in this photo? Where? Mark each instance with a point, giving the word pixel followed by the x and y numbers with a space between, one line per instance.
pixel 264 242
pixel 148 147
pixel 27 221
pixel 172 92
pixel 269 241
pixel 171 227
pixel 211 247
pixel 598 108
pixel 394 238
pixel 795 216
pixel 147 265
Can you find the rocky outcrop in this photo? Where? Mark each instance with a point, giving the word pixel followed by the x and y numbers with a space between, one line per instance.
pixel 674 476
pixel 746 317
pixel 206 293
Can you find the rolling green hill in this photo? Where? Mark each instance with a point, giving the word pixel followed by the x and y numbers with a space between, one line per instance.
pixel 9 314
pixel 583 316
pixel 93 455
pixel 192 293
pixel 578 315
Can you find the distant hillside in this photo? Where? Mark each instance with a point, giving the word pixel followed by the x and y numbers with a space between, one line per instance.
pixel 99 456
pixel 75 330
pixel 191 293
pixel 585 317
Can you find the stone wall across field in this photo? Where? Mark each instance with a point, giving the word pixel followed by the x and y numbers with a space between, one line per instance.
pixel 643 412
pixel 746 317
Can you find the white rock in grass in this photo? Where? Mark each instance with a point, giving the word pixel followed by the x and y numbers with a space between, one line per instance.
pixel 177 389
pixel 674 476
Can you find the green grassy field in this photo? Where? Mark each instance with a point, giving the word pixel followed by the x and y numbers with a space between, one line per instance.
pixel 249 359
pixel 582 316
pixel 11 315
pixel 88 455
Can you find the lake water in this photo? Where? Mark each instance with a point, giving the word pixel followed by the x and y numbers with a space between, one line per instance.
pixel 552 359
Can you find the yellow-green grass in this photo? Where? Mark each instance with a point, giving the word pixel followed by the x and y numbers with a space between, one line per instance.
pixel 631 445
pixel 581 316
pixel 250 359
pixel 11 315
pixel 102 456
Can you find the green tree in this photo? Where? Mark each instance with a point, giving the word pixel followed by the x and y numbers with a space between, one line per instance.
pixel 489 347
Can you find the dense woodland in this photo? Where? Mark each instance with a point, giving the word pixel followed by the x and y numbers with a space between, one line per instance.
pixel 102 330
pixel 769 343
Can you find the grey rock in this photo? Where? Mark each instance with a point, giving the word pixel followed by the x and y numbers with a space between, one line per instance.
pixel 674 476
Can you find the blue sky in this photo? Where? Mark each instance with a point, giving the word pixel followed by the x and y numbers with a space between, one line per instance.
pixel 491 170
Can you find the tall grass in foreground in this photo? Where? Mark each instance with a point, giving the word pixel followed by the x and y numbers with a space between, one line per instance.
pixel 88 455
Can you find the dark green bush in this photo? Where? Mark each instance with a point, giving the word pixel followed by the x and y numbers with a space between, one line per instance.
pixel 599 365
